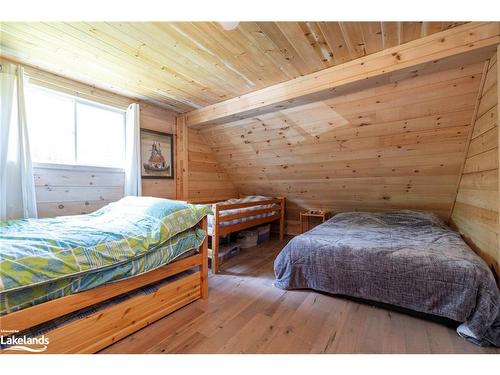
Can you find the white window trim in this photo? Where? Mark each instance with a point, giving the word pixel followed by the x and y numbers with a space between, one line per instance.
pixel 77 166
pixel 116 108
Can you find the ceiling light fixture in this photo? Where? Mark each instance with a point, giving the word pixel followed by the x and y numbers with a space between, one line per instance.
pixel 228 26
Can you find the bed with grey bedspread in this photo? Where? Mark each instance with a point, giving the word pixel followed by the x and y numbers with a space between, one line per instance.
pixel 406 258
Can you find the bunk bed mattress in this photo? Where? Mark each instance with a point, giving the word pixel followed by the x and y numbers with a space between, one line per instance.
pixel 408 259
pixel 254 198
pixel 178 247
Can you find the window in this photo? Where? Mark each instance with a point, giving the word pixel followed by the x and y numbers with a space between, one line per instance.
pixel 68 130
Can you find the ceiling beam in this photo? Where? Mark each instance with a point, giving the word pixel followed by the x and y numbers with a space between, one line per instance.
pixel 465 39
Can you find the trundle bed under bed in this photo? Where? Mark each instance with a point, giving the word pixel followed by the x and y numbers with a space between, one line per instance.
pixel 242 213
pixel 407 259
pixel 87 281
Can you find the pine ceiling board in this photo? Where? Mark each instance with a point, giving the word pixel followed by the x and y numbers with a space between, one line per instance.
pixel 429 28
pixel 411 31
pixel 75 34
pixel 228 57
pixel 122 54
pixel 210 83
pixel 249 53
pixel 341 133
pixel 102 77
pixel 432 27
pixel 188 65
pixel 350 157
pixel 228 47
pixel 230 80
pixel 353 36
pixel 391 34
pixel 261 40
pixel 313 33
pixel 402 135
pixel 291 158
pixel 261 67
pixel 333 37
pixel 344 131
pixel 161 53
pixel 296 36
pixel 372 36
pixel 274 62
pixel 273 32
pixel 81 57
pixel 79 60
pixel 381 100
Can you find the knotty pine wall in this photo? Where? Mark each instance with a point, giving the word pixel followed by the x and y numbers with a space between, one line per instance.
pixel 72 190
pixel 391 146
pixel 207 180
pixel 475 213
pixel 202 179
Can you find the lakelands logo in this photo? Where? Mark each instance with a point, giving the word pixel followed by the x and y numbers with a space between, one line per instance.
pixel 9 341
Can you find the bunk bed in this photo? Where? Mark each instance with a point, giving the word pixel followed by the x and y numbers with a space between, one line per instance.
pixel 242 213
pixel 154 262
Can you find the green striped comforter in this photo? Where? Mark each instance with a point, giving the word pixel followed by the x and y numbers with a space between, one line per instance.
pixel 60 251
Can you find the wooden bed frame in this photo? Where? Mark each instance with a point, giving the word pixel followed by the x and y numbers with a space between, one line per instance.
pixel 218 230
pixel 101 329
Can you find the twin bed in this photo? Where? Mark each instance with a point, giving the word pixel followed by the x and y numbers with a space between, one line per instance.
pixel 87 281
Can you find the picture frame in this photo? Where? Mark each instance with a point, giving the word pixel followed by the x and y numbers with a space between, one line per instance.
pixel 157 154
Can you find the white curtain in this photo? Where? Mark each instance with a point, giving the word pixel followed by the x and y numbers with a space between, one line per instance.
pixel 132 150
pixel 17 187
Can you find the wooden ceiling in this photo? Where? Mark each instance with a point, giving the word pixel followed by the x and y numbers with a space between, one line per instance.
pixel 184 66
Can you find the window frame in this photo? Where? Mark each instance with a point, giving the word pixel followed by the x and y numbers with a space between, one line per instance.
pixel 79 100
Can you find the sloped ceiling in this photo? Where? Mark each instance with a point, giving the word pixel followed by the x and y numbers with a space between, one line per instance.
pixel 394 145
pixel 183 66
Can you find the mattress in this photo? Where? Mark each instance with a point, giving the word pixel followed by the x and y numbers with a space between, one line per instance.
pixel 405 258
pixel 253 198
pixel 181 245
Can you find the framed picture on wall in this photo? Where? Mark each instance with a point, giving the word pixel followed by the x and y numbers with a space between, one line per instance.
pixel 157 154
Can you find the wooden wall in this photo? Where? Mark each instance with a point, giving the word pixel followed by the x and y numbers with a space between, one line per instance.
pixel 393 145
pixel 475 213
pixel 201 179
pixel 159 119
pixel 72 190
pixel 207 180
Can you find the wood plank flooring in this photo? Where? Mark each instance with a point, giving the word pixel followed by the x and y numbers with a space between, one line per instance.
pixel 245 313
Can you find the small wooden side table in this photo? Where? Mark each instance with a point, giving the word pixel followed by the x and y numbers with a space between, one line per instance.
pixel 306 216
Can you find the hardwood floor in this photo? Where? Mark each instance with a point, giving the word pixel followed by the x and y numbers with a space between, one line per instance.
pixel 245 313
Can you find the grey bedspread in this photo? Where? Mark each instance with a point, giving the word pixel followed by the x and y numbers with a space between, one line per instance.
pixel 404 258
